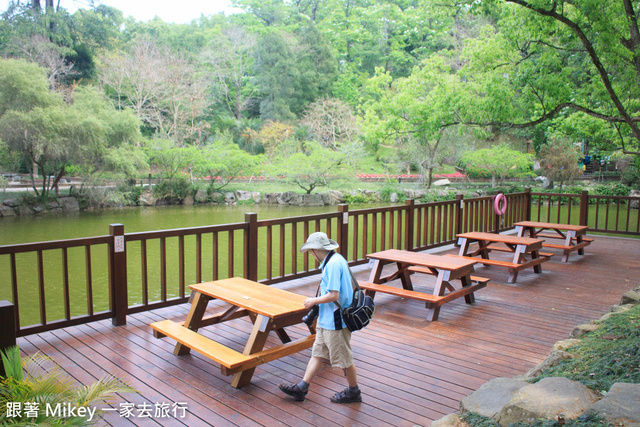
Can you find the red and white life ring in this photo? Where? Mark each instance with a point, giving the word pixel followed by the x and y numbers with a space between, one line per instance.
pixel 500 204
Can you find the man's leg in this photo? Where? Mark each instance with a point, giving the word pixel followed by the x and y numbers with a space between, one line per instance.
pixel 352 378
pixel 314 365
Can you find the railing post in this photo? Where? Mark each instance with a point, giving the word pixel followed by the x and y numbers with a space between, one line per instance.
pixel 408 226
pixel 251 246
pixel 8 330
pixel 527 204
pixel 584 208
pixel 118 291
pixel 343 230
pixel 458 217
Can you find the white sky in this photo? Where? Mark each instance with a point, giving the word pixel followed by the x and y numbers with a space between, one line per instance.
pixel 176 11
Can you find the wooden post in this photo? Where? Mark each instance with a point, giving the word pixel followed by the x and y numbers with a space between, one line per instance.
pixel 584 208
pixel 343 230
pixel 251 246
pixel 408 225
pixel 8 330
pixel 118 291
pixel 527 204
pixel 458 216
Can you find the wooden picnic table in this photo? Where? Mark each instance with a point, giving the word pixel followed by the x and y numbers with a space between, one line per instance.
pixel 269 308
pixel 573 235
pixel 521 247
pixel 446 269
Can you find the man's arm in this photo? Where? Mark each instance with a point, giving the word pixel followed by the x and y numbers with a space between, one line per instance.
pixel 331 296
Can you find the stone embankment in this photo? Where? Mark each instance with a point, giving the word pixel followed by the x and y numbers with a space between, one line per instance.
pixel 14 207
pixel 513 400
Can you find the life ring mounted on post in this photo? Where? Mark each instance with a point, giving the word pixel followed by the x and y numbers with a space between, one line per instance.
pixel 500 204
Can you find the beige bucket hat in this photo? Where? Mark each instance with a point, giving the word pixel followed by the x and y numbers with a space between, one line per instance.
pixel 319 240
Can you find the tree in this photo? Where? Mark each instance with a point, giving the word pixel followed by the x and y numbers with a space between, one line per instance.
pixel 499 161
pixel 52 134
pixel 222 161
pixel 314 167
pixel 572 58
pixel 331 121
pixel 559 161
pixel 230 57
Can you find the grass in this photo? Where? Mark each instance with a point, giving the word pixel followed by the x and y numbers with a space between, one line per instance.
pixel 609 355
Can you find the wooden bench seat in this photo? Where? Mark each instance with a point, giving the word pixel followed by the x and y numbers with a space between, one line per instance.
pixel 511 265
pixel 231 361
pixel 417 269
pixel 432 300
pixel 557 236
pixel 505 249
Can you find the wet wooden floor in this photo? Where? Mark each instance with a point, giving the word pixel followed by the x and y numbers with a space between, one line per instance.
pixel 411 371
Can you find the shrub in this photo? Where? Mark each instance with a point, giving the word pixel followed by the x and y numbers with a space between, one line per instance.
pixel 175 188
pixel 358 198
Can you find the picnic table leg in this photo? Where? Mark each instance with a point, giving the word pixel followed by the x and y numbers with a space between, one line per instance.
pixel 464 246
pixel 538 267
pixel 441 283
pixel 257 339
pixel 466 281
pixel 376 271
pixel 578 241
pixel 194 319
pixel 404 276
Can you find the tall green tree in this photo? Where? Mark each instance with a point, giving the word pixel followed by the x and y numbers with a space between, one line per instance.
pixel 499 162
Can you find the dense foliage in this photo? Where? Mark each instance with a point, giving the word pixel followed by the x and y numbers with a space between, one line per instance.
pixel 389 85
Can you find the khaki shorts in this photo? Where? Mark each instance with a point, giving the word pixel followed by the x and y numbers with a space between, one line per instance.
pixel 334 346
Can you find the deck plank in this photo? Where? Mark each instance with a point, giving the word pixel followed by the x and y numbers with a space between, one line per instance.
pixel 411 371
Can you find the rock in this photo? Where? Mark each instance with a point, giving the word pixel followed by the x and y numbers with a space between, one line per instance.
pixel 69 204
pixel 229 198
pixel 187 201
pixel 38 209
pixel 311 200
pixel 409 194
pixel 419 194
pixel 547 399
pixel 393 198
pixel 53 205
pixel 147 199
pixel 256 197
pixel 581 330
pixel 285 198
pixel 243 195
pixel 621 308
pixel 201 196
pixel 630 297
pixel 620 406
pixel 24 210
pixel 451 420
pixel 272 198
pixel 563 345
pixel 634 204
pixel 217 197
pixel 552 359
pixel 12 203
pixel 335 197
pixel 442 193
pixel 489 399
pixel 7 211
pixel 442 182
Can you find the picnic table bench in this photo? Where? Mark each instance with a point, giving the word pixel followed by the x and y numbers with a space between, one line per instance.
pixel 445 269
pixel 573 235
pixel 269 308
pixel 521 247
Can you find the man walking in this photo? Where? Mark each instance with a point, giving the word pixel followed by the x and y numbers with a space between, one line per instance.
pixel 333 338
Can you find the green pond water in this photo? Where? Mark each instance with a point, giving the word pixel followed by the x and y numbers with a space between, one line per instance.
pixel 84 298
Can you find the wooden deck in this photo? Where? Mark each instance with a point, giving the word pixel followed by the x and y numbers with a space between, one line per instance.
pixel 411 371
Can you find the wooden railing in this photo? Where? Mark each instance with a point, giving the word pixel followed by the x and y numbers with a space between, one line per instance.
pixel 263 250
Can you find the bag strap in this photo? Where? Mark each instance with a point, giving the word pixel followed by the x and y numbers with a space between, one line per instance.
pixel 354 283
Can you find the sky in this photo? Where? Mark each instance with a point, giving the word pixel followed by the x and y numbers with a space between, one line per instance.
pixel 174 11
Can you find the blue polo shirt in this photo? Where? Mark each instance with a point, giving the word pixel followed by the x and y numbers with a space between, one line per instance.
pixel 335 277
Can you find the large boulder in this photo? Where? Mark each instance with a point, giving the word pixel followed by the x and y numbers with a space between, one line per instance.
pixel 451 420
pixel 242 195
pixel 69 204
pixel 257 198
pixel 7 211
pixel 285 198
pixel 634 204
pixel 549 398
pixel 441 182
pixel 229 198
pixel 581 330
pixel 311 200
pixel 147 199
pixel 621 405
pixel 271 198
pixel 13 203
pixel 630 297
pixel 335 197
pixel 187 201
pixel 553 359
pixel 489 399
pixel 201 196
